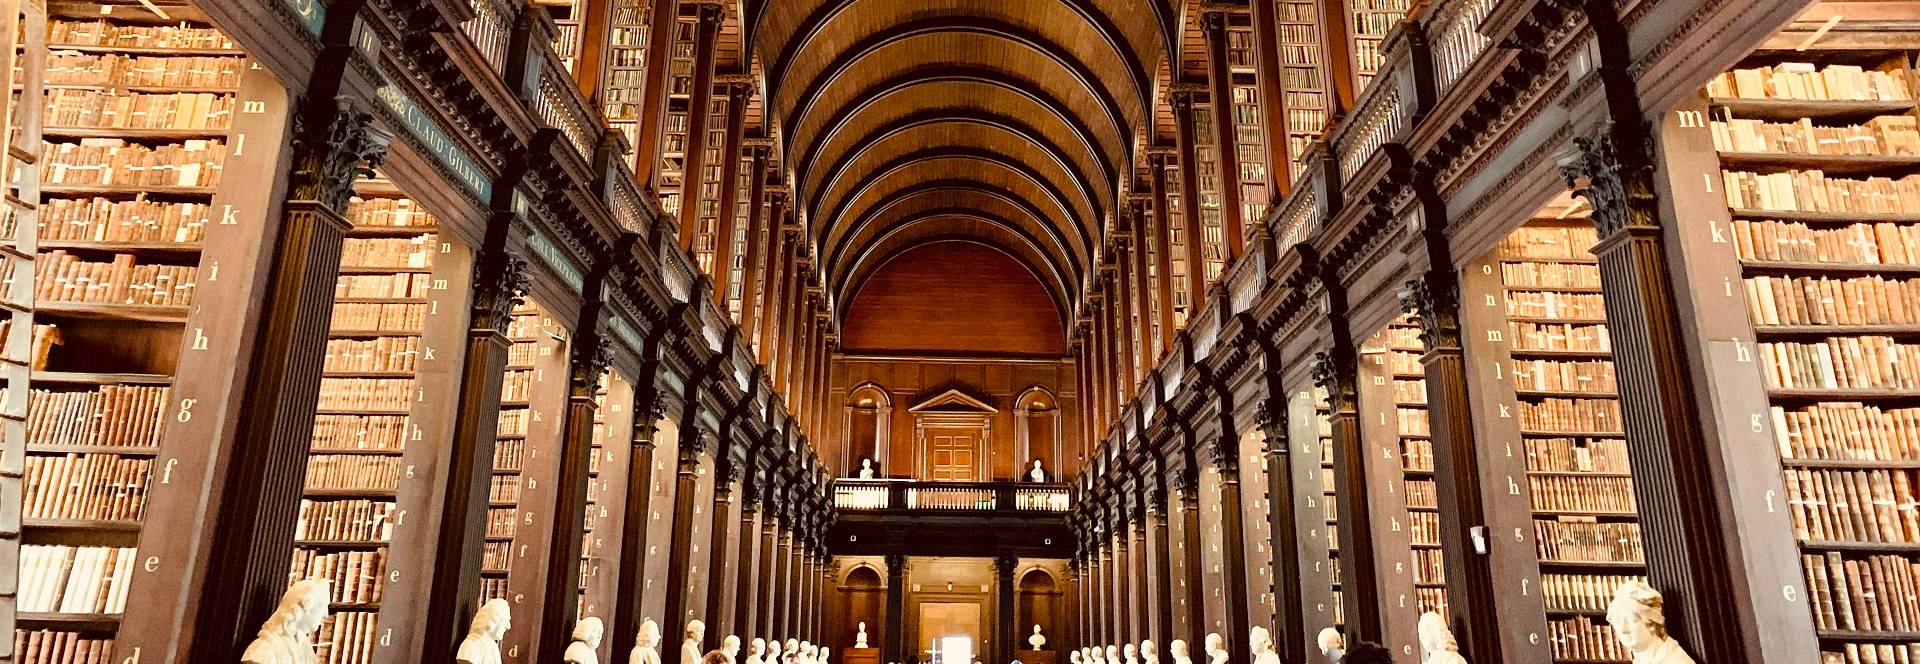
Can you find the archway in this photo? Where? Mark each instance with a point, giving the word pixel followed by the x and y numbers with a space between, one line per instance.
pixel 869 417
pixel 1036 603
pixel 864 596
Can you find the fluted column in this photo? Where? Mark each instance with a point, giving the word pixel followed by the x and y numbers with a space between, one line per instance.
pixel 895 636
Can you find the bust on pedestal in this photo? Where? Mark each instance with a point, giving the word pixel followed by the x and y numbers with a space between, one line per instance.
pixel 1216 649
pixel 1038 474
pixel 1437 641
pixel 866 469
pixel 730 647
pixel 482 645
pixel 646 645
pixel 756 651
pixel 824 651
pixel 860 640
pixel 586 642
pixel 287 635
pixel 1037 640
pixel 1178 650
pixel 1639 619
pixel 1332 645
pixel 1148 653
pixel 1130 653
pixel 1260 644
pixel 690 643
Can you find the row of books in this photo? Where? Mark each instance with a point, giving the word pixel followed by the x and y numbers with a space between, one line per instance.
pixel 112 161
pixel 52 647
pixel 1804 80
pixel 521 356
pixel 1853 362
pixel 382 285
pixel 516 386
pixel 1603 494
pixel 1551 304
pixel 1429 566
pixel 378 316
pixel 503 488
pixel 66 32
pixel 1423 528
pixel 1847 431
pixel 511 422
pixel 1548 243
pixel 394 394
pixel 388 213
pixel 355 577
pixel 1872 300
pixel 1581 592
pixel 1813 191
pixel 138 220
pixel 353 471
pixel 376 354
pixel 1856 244
pixel 1577 540
pixel 95 109
pixel 213 71
pixel 109 416
pixel 74 579
pixel 496 556
pixel 413 252
pixel 1550 275
pixel 1582 455
pixel 1570 415
pixel 1853 505
pixel 1887 135
pixel 1594 376
pixel 1416 454
pixel 105 487
pixel 1410 392
pixel 345 520
pixel 1580 638
pixel 1873 653
pixel 349 637
pixel 501 522
pixel 1414 422
pixel 509 454
pixel 1879 593
pixel 1422 495
pixel 64 277
pixel 1560 336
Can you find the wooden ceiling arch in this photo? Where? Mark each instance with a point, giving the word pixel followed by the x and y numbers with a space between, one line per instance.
pixel 879 257
pixel 1063 250
pixel 939 226
pixel 965 164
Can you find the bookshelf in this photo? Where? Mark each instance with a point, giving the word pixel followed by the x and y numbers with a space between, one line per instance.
pixel 1308 420
pixel 606 498
pixel 1401 339
pixel 1249 137
pixel 1206 165
pixel 706 241
pixel 1176 225
pixel 19 336
pixel 1561 387
pixel 1303 77
pixel 673 149
pixel 566 24
pixel 739 254
pixel 1368 22
pixel 526 464
pixel 1815 154
pixel 625 80
pixel 1403 519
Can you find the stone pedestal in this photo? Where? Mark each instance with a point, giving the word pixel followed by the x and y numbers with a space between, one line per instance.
pixel 860 656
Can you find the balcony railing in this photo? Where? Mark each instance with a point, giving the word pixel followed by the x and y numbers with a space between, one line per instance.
pixel 876 495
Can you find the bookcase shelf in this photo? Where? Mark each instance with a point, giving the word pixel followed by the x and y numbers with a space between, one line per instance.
pixel 82 622
pixel 1830 268
pixel 1838 164
pixel 150 313
pixel 1794 109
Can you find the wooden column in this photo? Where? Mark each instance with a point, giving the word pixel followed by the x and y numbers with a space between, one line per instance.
pixel 1003 633
pixel 591 355
pixel 1142 609
pixel 590 63
pixel 1273 106
pixel 769 564
pixel 894 638
pixel 1289 636
pixel 1186 491
pixel 782 572
pixel 651 128
pixel 699 111
pixel 1161 560
pixel 1225 460
pixel 1142 287
pixel 721 572
pixel 649 407
pixel 1101 361
pixel 680 560
pixel 1163 254
pixel 1104 598
pixel 737 95
pixel 1335 370
pixel 1213 29
pixel 760 249
pixel 747 572
pixel 1122 614
pixel 1195 232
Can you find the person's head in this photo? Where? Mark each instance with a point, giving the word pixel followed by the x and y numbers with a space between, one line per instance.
pixel 492 620
pixel 1638 616
pixel 1434 635
pixel 730 646
pixel 1259 639
pixel 1178 647
pixel 649 633
pixel 589 631
pixel 1330 641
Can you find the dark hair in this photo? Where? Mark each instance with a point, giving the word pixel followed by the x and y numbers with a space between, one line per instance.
pixel 714 657
pixel 1367 653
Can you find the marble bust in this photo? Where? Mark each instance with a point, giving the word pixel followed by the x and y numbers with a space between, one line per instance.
pixel 1131 653
pixel 646 645
pixel 1148 653
pixel 1038 474
pixel 482 645
pixel 866 469
pixel 807 652
pixel 730 647
pixel 1216 649
pixel 690 644
pixel 756 651
pixel 1331 644
pixel 1178 651
pixel 1037 640
pixel 1639 619
pixel 860 640
pixel 791 653
pixel 586 642
pixel 823 655
pixel 1113 655
pixel 287 635
pixel 1260 646
pixel 1437 641
pixel 1074 657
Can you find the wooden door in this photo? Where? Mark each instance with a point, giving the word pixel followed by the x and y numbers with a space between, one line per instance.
pixel 952 455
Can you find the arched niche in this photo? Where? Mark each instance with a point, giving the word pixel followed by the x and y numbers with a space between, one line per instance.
pixel 869 416
pixel 1036 602
pixel 865 596
pixel 1036 432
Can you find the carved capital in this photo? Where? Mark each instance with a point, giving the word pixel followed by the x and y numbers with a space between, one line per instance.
pixel 590 360
pixel 1435 303
pixel 1222 454
pixel 1334 372
pixel 649 422
pixel 333 146
pixel 498 287
pixel 1273 428
pixel 1617 180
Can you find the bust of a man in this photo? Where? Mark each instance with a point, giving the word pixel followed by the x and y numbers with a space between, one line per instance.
pixel 860 640
pixel 791 653
pixel 1260 645
pixel 756 651
pixel 1437 641
pixel 690 643
pixel 1038 474
pixel 824 652
pixel 586 642
pixel 730 647
pixel 1216 649
pixel 1148 653
pixel 1113 655
pixel 1178 651
pixel 646 645
pixel 1331 644
pixel 866 469
pixel 1037 640
pixel 1074 657
pixel 1131 653
pixel 1639 619
pixel 482 645
pixel 287 635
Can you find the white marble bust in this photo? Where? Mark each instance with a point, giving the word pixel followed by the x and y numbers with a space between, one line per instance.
pixel 1437 641
pixel 690 643
pixel 730 647
pixel 756 651
pixel 1038 474
pixel 824 651
pixel 1260 646
pixel 807 652
pixel 860 640
pixel 586 642
pixel 1038 640
pixel 1178 651
pixel 791 654
pixel 1639 620
pixel 1130 653
pixel 646 644
pixel 482 645
pixel 287 635
pixel 1331 644
pixel 1112 655
pixel 1216 649
pixel 866 469
pixel 1149 654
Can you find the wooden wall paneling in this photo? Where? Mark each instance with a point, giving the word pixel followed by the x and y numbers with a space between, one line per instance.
pixel 1234 582
pixel 529 556
pixel 1722 353
pixel 1138 581
pixel 747 571
pixel 769 555
pixel 1125 600
pixel 689 469
pixel 720 563
pixel 1160 594
pixel 783 571
pixel 200 430
pixel 1279 445
pixel 637 507
pixel 1220 92
pixel 1384 480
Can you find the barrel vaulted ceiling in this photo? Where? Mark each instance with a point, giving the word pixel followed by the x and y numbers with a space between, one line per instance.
pixel 1005 122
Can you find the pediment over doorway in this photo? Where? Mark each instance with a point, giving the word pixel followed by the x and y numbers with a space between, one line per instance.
pixel 952 401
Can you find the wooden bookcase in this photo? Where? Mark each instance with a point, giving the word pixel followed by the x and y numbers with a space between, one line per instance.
pixel 738 255
pixel 1250 140
pixel 526 469
pixel 1176 225
pixel 606 500
pixel 24 24
pixel 673 149
pixel 625 82
pixel 1414 432
pixel 1206 165
pixel 1303 78
pixel 1368 22
pixel 706 240
pixel 1393 525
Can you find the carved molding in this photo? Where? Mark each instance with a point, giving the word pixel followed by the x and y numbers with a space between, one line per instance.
pixel 1334 372
pixel 498 288
pixel 332 151
pixel 1618 184
pixel 1435 302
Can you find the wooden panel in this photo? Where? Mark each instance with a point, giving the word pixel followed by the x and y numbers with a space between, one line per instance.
pixel 954 297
